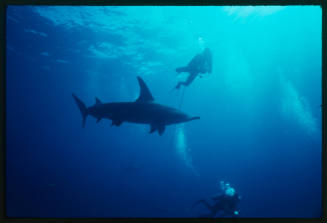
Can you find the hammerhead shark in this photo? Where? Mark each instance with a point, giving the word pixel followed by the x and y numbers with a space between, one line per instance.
pixel 143 111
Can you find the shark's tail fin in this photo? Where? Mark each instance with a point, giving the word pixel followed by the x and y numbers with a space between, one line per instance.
pixel 82 108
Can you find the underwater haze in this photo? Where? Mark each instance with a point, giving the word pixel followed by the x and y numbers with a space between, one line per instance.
pixel 260 114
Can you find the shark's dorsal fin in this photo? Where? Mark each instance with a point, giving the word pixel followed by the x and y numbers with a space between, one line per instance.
pixel 97 101
pixel 145 94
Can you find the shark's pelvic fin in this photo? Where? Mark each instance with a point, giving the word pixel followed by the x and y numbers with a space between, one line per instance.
pixel 97 101
pixel 82 108
pixel 98 120
pixel 161 129
pixel 116 122
pixel 145 94
pixel 153 128
pixel 157 127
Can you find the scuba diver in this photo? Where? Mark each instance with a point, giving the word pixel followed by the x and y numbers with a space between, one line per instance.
pixel 200 64
pixel 225 203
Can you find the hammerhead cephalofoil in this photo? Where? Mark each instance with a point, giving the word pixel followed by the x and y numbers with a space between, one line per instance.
pixel 143 111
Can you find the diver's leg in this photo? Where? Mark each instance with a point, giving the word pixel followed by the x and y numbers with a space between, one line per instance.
pixel 179 85
pixel 189 80
pixel 204 202
pixel 181 69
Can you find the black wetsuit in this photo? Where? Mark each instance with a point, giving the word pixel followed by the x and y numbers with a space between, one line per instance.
pixel 200 64
pixel 224 204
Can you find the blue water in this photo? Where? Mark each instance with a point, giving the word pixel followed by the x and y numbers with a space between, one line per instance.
pixel 260 126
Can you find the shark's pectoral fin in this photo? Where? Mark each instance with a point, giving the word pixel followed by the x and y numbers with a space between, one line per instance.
pixel 157 127
pixel 98 120
pixel 153 128
pixel 161 129
pixel 116 122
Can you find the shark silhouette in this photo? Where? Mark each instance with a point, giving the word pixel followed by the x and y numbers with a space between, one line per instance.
pixel 142 111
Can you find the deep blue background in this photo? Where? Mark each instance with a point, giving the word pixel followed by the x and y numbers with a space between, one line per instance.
pixel 260 126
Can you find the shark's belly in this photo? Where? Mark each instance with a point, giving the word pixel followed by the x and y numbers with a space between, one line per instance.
pixel 147 113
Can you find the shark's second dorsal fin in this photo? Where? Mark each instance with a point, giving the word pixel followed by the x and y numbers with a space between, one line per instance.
pixel 97 101
pixel 145 94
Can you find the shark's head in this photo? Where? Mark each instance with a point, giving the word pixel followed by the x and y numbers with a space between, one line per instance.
pixel 181 118
pixel 193 118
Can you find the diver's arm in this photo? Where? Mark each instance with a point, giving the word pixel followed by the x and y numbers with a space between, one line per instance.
pixel 217 197
pixel 205 203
